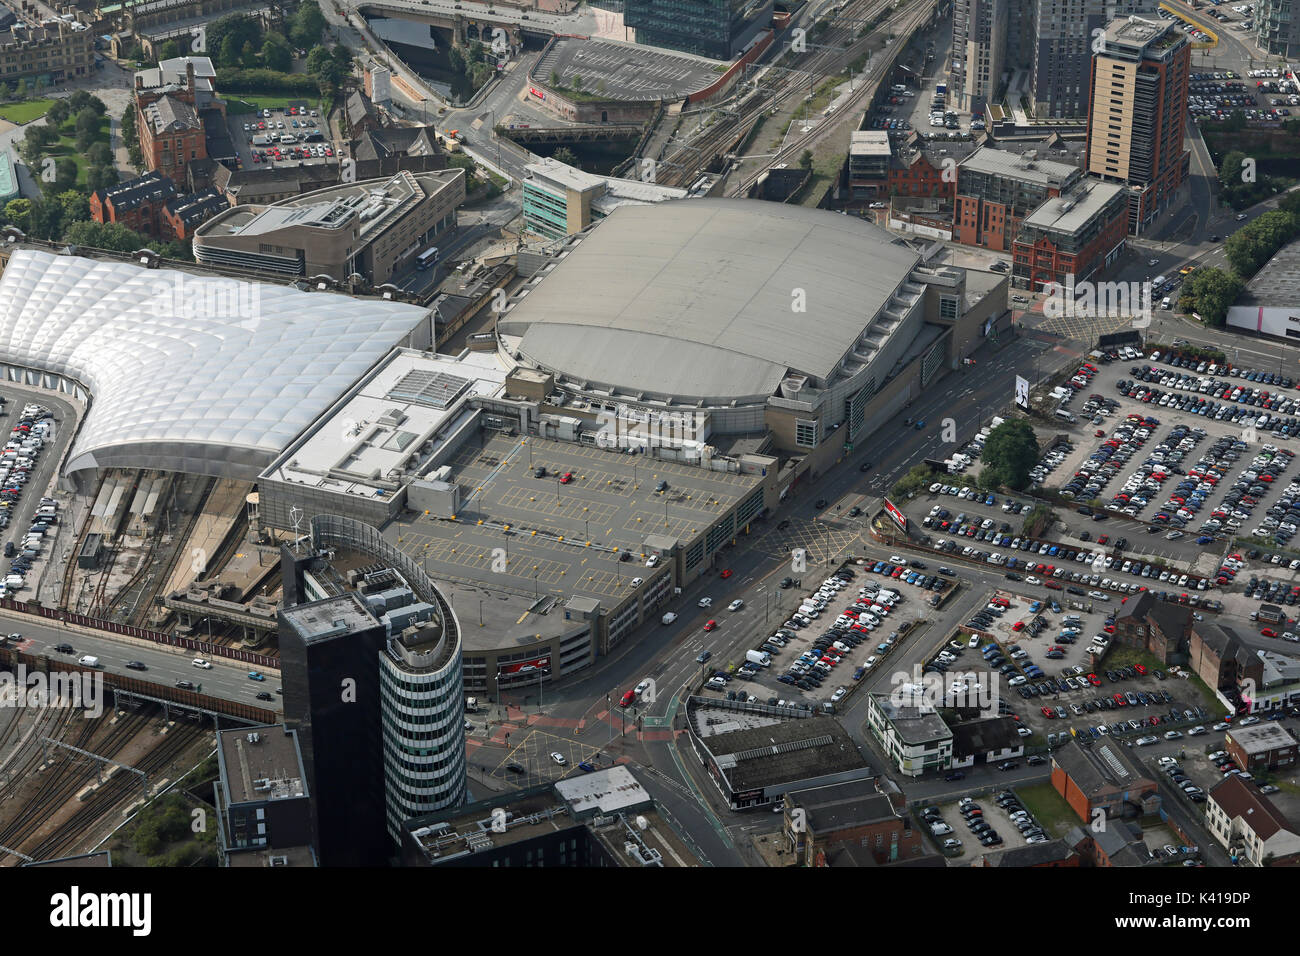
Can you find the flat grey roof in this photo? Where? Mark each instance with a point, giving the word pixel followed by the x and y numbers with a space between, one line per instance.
pixel 605 792
pixel 696 300
pixel 611 502
pixel 1071 212
pixel 269 768
pixel 1001 162
pixel 794 750
pixel 328 618
pixel 1261 738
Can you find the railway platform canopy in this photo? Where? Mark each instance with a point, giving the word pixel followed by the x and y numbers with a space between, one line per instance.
pixel 186 372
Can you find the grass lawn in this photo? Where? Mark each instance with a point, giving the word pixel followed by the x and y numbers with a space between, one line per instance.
pixel 25 111
pixel 255 102
pixel 1049 808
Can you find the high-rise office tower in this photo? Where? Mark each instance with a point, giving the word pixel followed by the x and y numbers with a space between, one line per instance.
pixel 1063 35
pixel 371 658
pixel 979 47
pixel 1137 110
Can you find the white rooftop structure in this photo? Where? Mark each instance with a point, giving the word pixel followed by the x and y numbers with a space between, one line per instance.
pixel 189 373
pixel 391 422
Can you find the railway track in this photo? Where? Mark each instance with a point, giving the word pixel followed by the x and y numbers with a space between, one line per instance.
pixel 61 780
pixel 72 834
pixel 918 11
pixel 68 576
pixel 140 611
pixel 828 54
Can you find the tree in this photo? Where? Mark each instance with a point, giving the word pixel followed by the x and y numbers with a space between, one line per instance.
pixel 806 160
pixel 228 52
pixel 46 220
pixel 1290 203
pixel 1011 450
pixel 577 82
pixel 74 204
pixel 20 91
pixel 248 55
pixel 65 174
pixel 58 113
pixel 19 212
pixel 276 54
pixel 101 177
pixel 110 235
pixel 1230 168
pixel 170 50
pixel 81 100
pixel 99 154
pixel 555 78
pixel 566 156
pixel 1210 292
pixel 319 57
pixel 307 25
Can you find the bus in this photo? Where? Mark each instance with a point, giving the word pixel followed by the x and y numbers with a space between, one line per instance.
pixel 427 258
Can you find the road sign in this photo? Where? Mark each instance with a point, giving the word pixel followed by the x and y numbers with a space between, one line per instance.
pixel 900 519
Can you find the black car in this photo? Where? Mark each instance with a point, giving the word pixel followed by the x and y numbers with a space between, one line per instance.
pixel 1036 760
pixel 64 648
pixel 265 696
pixel 515 768
pixel 135 666
pixel 539 471
pixel 787 583
pixel 185 684
pixel 955 775
pixel 820 503
pixel 781 526
pixel 865 466
pixel 1008 765
pixel 703 656
pixel 855 511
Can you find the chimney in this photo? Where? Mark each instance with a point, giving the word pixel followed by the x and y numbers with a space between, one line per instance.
pixel 189 74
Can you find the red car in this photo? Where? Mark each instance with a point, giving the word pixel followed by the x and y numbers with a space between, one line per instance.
pixel 1268 632
pixel 1119 700
pixel 1103 538
pixel 566 478
pixel 1018 626
pixel 1098 433
pixel 1094 680
pixel 711 625
pixel 627 699
pixel 1139 668
pixel 1048 712
pixel 1053 585
pixel 726 572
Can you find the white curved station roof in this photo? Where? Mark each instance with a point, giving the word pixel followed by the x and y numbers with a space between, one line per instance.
pixel 188 373
pixel 697 300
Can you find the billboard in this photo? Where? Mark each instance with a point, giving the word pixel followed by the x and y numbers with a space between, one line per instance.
pixel 1022 392
pixel 537 93
pixel 525 667
pixel 900 519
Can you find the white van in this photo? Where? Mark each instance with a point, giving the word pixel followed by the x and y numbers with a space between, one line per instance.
pixel 87 660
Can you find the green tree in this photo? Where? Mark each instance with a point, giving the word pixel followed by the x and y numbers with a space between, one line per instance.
pixel 74 204
pixel 65 174
pixel 1210 292
pixel 169 50
pixel 248 56
pixel 99 154
pixel 58 113
pixel 19 212
pixel 806 160
pixel 101 177
pixel 276 54
pixel 82 100
pixel 1011 451
pixel 111 235
pixel 555 79
pixel 228 52
pixel 20 91
pixel 1290 203
pixel 46 220
pixel 566 156
pixel 1230 168
pixel 577 82
pixel 226 37
pixel 307 25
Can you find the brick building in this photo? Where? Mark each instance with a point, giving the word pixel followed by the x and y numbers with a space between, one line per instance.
pixel 1266 746
pixel 384 152
pixel 54 50
pixel 137 203
pixel 1220 658
pixel 182 215
pixel 996 190
pixel 1104 776
pixel 1071 238
pixel 821 819
pixel 1157 627
pixel 168 101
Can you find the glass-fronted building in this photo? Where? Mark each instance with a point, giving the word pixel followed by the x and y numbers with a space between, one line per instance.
pixel 720 29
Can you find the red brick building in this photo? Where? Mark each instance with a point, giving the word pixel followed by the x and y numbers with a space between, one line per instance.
pixel 168 99
pixel 821 819
pixel 182 215
pixel 997 189
pixel 1103 777
pixel 137 203
pixel 1073 236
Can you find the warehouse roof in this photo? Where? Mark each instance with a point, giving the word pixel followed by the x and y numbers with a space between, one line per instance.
pixel 189 372
pixel 702 300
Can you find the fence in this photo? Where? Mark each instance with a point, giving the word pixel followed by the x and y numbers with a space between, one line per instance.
pixel 142 633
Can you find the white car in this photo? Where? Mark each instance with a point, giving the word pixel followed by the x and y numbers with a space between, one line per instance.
pixel 838 695
pixel 736 605
pixel 651 561
pixel 705 602
pixel 974 641
pixel 558 758
pixel 642 687
pixel 200 662
pixel 637 582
